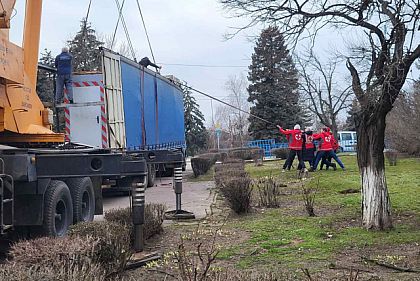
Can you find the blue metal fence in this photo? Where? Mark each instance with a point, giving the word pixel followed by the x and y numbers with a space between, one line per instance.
pixel 268 145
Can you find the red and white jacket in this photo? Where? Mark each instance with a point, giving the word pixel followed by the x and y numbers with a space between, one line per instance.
pixel 327 141
pixel 309 141
pixel 294 138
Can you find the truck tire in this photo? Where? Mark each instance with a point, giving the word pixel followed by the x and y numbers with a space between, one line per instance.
pixel 58 209
pixel 81 190
pixel 151 175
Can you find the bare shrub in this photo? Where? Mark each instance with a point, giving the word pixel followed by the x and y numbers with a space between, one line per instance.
pixel 308 195
pixel 200 165
pixel 49 251
pixel 224 175
pixel 67 258
pixel 113 243
pixel 280 153
pixel 154 215
pixel 238 193
pixel 196 265
pixel 392 156
pixel 246 153
pixel 153 219
pixel 69 272
pixel 269 191
pixel 232 167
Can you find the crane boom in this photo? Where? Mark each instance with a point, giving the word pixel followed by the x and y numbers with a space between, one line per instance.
pixel 23 117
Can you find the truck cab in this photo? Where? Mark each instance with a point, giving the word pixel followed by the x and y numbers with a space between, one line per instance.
pixel 347 141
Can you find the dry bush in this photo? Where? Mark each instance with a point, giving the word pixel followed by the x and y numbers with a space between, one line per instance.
pixel 194 266
pixel 113 248
pixel 223 175
pixel 392 156
pixel 153 219
pixel 308 195
pixel 67 258
pixel 280 153
pixel 269 191
pixel 246 153
pixel 202 163
pixel 238 193
pixel 69 272
pixel 230 168
pixel 153 215
pixel 49 251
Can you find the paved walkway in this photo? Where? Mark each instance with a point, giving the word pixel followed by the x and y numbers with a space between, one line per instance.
pixel 196 196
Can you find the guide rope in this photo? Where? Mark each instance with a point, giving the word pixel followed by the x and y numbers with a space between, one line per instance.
pixel 225 103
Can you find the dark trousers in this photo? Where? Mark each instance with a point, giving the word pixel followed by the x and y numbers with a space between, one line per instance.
pixel 328 153
pixel 291 158
pixel 325 161
pixel 63 81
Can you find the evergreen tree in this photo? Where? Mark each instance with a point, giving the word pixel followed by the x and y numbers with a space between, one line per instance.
pixel 45 79
pixel 351 116
pixel 195 132
pixel 273 89
pixel 84 48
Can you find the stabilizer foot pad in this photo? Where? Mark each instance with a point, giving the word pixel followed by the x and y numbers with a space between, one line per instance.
pixel 179 215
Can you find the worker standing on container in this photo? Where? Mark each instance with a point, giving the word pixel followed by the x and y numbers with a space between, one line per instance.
pixel 63 63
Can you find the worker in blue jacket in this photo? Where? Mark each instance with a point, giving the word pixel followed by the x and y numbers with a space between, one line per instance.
pixel 63 63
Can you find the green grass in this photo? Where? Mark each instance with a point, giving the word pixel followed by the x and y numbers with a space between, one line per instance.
pixel 287 236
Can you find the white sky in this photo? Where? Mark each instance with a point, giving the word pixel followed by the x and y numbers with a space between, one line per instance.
pixel 181 32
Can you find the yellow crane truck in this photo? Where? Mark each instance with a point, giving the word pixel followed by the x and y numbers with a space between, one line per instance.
pixel 47 184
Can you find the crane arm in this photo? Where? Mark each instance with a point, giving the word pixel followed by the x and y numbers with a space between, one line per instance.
pixel 6 9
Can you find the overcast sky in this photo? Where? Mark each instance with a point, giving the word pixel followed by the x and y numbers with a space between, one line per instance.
pixel 181 32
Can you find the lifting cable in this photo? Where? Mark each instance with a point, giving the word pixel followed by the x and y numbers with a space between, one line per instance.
pixel 225 103
pixel 84 31
pixel 145 31
pixel 130 45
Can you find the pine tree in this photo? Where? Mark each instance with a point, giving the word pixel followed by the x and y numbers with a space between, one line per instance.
pixel 45 79
pixel 273 89
pixel 351 116
pixel 195 131
pixel 84 48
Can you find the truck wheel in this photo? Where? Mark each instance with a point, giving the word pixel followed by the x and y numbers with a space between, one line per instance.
pixel 58 209
pixel 81 190
pixel 151 175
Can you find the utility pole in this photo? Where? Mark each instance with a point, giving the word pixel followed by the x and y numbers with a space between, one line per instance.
pixel 212 123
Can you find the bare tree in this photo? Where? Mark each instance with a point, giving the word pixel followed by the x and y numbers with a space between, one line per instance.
pixel 403 122
pixel 391 45
pixel 233 119
pixel 327 98
pixel 120 47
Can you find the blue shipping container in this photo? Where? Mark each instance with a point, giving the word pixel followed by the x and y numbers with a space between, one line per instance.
pixel 153 109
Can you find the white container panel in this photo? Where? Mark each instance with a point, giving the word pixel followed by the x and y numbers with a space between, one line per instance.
pixel 114 100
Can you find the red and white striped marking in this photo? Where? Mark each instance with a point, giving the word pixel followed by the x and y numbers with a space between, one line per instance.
pixel 66 117
pixel 104 131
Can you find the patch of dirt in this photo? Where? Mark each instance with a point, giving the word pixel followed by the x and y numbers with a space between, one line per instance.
pixel 346 264
pixel 406 256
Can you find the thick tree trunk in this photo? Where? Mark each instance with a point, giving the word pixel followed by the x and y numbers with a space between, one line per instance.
pixel 376 206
